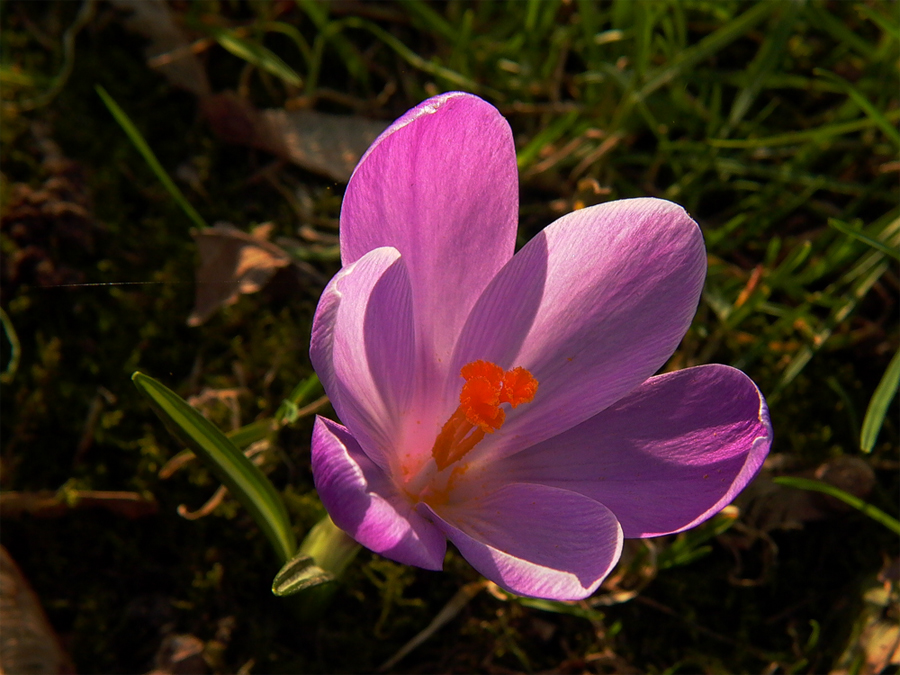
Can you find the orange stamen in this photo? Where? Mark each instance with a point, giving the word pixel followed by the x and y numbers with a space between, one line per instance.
pixel 480 401
pixel 479 412
pixel 518 387
pixel 490 371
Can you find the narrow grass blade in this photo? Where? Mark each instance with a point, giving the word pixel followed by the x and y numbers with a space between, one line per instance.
pixel 349 54
pixel 552 132
pixel 841 311
pixel 422 14
pixel 768 60
pixel 881 399
pixel 243 478
pixel 416 61
pixel 689 546
pixel 879 19
pixel 456 604
pixel 141 145
pixel 251 433
pixel 708 46
pixel 821 17
pixel 817 134
pixel 559 607
pixel 848 229
pixel 291 32
pixel 255 53
pixel 865 105
pixel 874 513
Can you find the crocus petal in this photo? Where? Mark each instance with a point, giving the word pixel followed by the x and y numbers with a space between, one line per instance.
pixel 666 457
pixel 592 307
pixel 441 186
pixel 362 500
pixel 363 348
pixel 534 540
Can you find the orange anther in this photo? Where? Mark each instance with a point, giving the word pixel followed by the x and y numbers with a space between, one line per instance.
pixel 518 387
pixel 479 411
pixel 480 400
pixel 489 371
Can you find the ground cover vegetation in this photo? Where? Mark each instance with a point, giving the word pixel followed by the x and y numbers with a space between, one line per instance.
pixel 774 124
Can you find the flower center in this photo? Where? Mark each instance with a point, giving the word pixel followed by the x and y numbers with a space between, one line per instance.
pixel 487 386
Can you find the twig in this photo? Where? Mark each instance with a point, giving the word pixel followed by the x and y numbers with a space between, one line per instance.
pixel 450 610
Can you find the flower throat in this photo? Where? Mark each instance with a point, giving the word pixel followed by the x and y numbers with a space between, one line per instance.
pixel 487 386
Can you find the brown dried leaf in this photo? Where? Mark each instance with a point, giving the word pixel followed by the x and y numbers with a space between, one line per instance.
pixel 769 506
pixel 232 262
pixel 169 48
pixel 180 655
pixel 27 641
pixel 327 144
pixel 877 645
pixel 881 643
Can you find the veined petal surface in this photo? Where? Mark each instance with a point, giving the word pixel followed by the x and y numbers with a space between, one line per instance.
pixel 592 307
pixel 665 457
pixel 363 347
pixel 534 540
pixel 363 501
pixel 441 186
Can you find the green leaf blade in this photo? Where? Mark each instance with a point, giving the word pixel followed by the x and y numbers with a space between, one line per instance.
pixel 149 156
pixel 255 54
pixel 244 479
pixel 878 405
pixel 859 235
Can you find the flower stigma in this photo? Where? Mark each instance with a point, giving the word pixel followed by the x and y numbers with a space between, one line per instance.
pixel 487 386
pixel 479 411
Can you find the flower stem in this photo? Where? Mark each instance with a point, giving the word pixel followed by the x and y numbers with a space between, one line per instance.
pixel 333 550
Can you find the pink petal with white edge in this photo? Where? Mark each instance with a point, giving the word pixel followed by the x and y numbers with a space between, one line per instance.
pixel 441 186
pixel 592 306
pixel 362 501
pixel 663 459
pixel 363 348
pixel 534 540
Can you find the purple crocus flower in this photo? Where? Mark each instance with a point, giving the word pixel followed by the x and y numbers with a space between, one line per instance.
pixel 507 402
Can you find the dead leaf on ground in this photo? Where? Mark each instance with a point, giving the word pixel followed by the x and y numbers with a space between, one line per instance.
pixel 232 262
pixel 769 506
pixel 881 643
pixel 180 655
pixel 321 142
pixel 28 643
pixel 875 646
pixel 168 49
pixel 327 144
